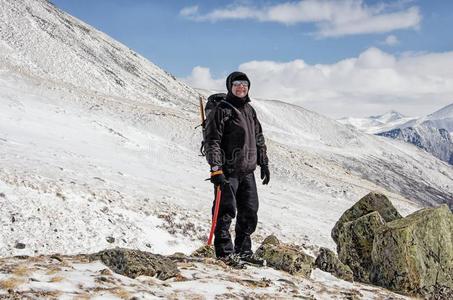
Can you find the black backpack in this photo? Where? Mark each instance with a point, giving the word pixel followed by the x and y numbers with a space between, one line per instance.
pixel 211 105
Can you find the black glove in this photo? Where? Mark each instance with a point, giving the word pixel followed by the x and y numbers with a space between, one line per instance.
pixel 265 174
pixel 218 178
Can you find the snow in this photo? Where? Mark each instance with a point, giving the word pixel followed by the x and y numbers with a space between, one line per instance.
pixel 440 119
pixel 443 113
pixel 74 277
pixel 433 140
pixel 86 159
pixel 427 132
pixel 377 124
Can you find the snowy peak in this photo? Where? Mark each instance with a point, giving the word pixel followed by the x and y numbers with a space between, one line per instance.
pixel 443 113
pixel 43 42
pixel 432 133
pixel 379 123
pixel 440 119
pixel 391 116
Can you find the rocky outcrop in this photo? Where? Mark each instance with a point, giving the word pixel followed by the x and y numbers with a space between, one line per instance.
pixel 412 255
pixel 355 243
pixel 134 263
pixel 285 257
pixel 204 251
pixel 327 261
pixel 369 203
pixel 415 254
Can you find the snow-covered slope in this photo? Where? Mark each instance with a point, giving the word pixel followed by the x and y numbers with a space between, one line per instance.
pixel 440 119
pixel 376 124
pixel 43 42
pixel 432 133
pixel 438 142
pixel 121 160
pixel 89 161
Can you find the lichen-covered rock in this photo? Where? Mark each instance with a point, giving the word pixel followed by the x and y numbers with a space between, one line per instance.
pixel 415 254
pixel 369 203
pixel 133 263
pixel 204 251
pixel 285 257
pixel 355 243
pixel 271 240
pixel 329 262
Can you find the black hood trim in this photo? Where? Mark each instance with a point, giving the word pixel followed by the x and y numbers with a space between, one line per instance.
pixel 236 101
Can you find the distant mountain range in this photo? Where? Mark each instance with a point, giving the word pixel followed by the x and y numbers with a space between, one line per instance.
pixel 433 133
pixel 377 124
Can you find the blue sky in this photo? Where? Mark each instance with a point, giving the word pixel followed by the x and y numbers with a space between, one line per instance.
pixel 217 37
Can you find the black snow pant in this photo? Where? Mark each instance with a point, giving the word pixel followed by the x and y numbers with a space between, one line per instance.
pixel 238 195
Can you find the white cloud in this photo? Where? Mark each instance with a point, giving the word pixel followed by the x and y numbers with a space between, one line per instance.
pixel 374 82
pixel 391 40
pixel 332 18
pixel 373 23
pixel 189 11
pixel 201 78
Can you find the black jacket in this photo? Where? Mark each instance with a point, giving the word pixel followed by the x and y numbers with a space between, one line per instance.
pixel 234 138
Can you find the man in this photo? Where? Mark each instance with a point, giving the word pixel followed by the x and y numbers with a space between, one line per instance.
pixel 234 145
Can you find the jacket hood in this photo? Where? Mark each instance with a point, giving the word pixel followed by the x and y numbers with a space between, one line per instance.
pixel 236 101
pixel 235 76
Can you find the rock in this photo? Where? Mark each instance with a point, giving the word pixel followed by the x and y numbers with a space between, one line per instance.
pixel 369 203
pixel 133 263
pixel 106 272
pixel 285 257
pixel 179 255
pixel 415 254
pixel 327 261
pixel 204 251
pixel 110 239
pixel 19 245
pixel 271 240
pixel 355 243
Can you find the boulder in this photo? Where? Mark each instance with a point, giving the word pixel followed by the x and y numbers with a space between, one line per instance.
pixel 328 261
pixel 133 263
pixel 415 254
pixel 285 257
pixel 271 240
pixel 205 252
pixel 355 243
pixel 372 202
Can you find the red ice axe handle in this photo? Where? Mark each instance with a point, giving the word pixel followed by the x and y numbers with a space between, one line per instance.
pixel 216 213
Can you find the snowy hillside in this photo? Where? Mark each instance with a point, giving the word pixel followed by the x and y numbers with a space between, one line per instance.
pixel 98 149
pixel 438 142
pixel 432 133
pixel 440 119
pixel 443 113
pixel 116 159
pixel 376 124
pixel 43 42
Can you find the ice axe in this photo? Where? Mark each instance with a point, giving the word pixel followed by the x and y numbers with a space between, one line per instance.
pixel 216 213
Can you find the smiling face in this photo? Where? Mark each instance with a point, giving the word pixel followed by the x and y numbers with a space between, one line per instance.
pixel 240 88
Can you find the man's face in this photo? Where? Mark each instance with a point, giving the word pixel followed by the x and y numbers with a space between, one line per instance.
pixel 240 88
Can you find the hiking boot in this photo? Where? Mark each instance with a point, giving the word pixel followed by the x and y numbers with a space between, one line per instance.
pixel 234 261
pixel 252 259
